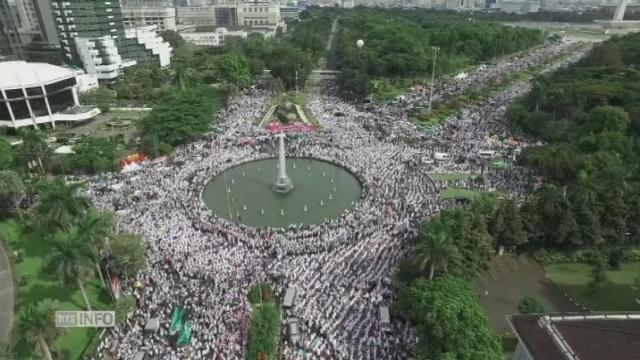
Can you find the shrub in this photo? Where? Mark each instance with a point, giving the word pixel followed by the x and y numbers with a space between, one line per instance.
pixel 530 305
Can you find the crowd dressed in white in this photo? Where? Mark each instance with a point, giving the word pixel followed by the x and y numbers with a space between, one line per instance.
pixel 341 269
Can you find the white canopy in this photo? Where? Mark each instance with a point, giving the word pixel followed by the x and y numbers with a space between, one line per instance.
pixel 64 149
pixel 131 168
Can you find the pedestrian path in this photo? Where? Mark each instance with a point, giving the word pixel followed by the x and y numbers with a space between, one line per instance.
pixel 6 297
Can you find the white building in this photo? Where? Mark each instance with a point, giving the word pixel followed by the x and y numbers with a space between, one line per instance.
pixel 164 18
pixel 86 82
pixel 259 14
pixel 147 36
pixel 100 57
pixel 518 6
pixel 229 13
pixel 213 38
pixel 38 93
pixel 289 9
pixel 197 15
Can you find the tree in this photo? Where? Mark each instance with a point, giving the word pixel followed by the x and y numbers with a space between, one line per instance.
pixel 69 262
pixel 152 147
pixel 34 151
pixel 12 190
pixel 234 69
pixel 59 204
pixel 173 38
pixel 101 97
pixel 435 245
pixel 124 305
pixel 94 229
pixel 95 155
pixel 448 320
pixel 127 254
pixel 610 118
pixel 290 64
pixel 530 305
pixel 36 323
pixel 184 118
pixel 507 225
pixel 7 155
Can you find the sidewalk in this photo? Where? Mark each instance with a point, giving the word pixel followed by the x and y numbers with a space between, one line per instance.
pixel 6 296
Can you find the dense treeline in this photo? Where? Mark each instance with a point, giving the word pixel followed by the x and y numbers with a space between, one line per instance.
pixel 451 249
pixel 588 117
pixel 237 63
pixel 449 322
pixel 558 16
pixel 399 43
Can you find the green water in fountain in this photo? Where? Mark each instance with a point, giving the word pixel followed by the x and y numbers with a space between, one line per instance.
pixel 244 193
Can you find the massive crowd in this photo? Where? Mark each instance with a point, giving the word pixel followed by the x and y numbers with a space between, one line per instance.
pixel 341 269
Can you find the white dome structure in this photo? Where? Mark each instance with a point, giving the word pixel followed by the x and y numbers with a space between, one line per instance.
pixel 39 93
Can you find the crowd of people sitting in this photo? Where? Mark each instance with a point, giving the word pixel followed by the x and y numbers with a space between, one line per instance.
pixel 341 269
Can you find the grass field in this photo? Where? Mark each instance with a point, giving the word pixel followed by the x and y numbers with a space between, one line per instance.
pixel 452 176
pixel 618 294
pixel 40 286
pixel 264 334
pixel 452 193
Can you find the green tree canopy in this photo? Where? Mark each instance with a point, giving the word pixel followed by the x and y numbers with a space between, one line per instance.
pixel 12 190
pixel 7 155
pixel 69 262
pixel 36 323
pixel 101 97
pixel 59 204
pixel 95 155
pixel 449 321
pixel 173 38
pixel 127 254
pixel 185 117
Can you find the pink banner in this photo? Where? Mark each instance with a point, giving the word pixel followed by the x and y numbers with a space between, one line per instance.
pixel 275 126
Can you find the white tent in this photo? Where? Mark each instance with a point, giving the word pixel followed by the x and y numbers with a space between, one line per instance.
pixel 131 168
pixel 64 149
pixel 461 76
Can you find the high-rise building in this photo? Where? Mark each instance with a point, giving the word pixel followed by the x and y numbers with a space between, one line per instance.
pixel 92 36
pixel 46 22
pixel 164 18
pixel 10 44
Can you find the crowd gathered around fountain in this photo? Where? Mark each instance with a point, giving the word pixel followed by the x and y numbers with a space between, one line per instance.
pixel 341 269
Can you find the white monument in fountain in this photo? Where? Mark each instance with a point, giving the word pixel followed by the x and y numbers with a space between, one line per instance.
pixel 283 183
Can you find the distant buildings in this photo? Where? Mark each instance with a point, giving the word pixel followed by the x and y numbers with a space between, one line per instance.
pixel 164 18
pixel 93 36
pixel 212 38
pixel 518 6
pixel 289 9
pixel 10 44
pixel 232 13
pixel 210 24
pixel 35 94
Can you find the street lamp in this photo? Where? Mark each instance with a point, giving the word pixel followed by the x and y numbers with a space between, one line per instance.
pixel 433 75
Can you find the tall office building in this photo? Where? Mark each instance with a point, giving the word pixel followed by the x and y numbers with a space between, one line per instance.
pixel 10 44
pixel 164 18
pixel 92 33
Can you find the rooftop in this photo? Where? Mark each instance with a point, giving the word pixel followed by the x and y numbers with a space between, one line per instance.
pixel 15 74
pixel 591 337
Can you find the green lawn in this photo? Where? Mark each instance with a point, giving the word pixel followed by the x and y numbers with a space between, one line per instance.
pixel 618 294
pixel 40 286
pixel 264 334
pixel 452 176
pixel 451 193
